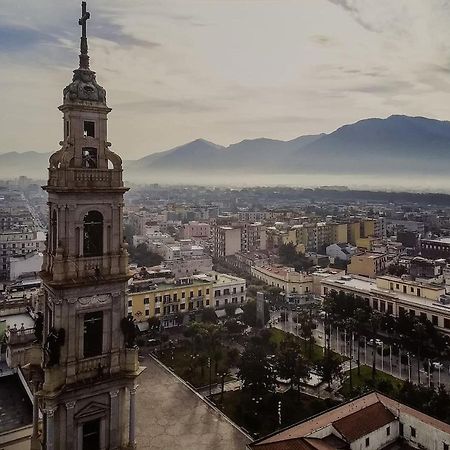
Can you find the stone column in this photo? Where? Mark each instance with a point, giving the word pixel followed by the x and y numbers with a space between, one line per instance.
pixel 132 425
pixel 70 410
pixel 35 415
pixel 50 432
pixel 114 434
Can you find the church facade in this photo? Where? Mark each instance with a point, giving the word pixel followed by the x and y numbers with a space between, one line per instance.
pixel 90 362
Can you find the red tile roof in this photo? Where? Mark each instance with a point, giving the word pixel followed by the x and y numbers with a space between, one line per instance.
pixel 363 422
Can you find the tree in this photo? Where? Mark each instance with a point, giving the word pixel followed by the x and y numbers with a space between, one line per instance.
pixel 142 256
pixel 249 316
pixel 290 363
pixel 230 309
pixel 208 315
pixel 328 367
pixel 255 371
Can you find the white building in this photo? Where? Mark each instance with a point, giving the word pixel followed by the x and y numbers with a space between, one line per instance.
pixel 285 278
pixel 393 295
pixel 226 288
pixel 17 244
pixel 370 422
pixel 341 251
pixel 188 267
pixel 27 264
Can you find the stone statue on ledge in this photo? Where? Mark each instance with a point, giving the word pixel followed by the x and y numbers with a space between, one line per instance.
pixel 129 331
pixel 39 327
pixel 53 344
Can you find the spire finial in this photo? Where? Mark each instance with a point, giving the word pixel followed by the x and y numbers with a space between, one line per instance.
pixel 84 58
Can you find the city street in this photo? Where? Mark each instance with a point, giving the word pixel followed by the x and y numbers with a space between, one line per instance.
pixel 388 362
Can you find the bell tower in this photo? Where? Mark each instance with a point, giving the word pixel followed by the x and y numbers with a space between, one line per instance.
pixel 90 362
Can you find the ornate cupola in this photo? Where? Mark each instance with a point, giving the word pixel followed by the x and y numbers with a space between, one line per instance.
pixel 85 164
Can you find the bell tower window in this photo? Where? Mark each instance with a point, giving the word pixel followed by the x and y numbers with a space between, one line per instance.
pixel 93 234
pixel 93 334
pixel 89 158
pixel 89 129
pixel 67 128
pixel 91 434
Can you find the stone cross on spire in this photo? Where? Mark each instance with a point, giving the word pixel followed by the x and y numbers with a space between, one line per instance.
pixel 84 58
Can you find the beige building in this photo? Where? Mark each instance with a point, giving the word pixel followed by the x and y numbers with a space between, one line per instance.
pixel 226 241
pixel 367 264
pixel 393 296
pixel 285 278
pixel 167 300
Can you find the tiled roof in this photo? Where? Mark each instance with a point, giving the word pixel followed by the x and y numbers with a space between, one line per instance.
pixel 291 444
pixel 363 422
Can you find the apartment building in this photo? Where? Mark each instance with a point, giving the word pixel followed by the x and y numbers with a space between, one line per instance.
pixel 166 300
pixel 226 241
pixel 226 288
pixel 253 237
pixel 367 264
pixel 196 230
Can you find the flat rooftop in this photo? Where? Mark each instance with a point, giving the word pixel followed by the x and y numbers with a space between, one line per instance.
pixel 445 240
pixel 16 410
pixel 172 416
pixel 369 286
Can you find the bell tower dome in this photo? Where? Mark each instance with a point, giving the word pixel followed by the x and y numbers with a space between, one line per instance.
pixel 90 361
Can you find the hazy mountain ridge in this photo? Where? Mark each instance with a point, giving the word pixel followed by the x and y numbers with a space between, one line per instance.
pixel 397 144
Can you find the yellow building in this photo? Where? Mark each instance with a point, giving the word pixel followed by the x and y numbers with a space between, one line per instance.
pixel 366 243
pixel 354 232
pixel 367 264
pixel 339 233
pixel 166 300
pixel 368 228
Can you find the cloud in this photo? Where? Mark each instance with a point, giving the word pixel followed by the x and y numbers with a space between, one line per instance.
pixel 352 7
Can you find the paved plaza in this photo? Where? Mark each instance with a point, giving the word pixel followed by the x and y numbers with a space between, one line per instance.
pixel 170 416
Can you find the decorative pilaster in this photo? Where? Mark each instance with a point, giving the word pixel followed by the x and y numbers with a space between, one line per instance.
pixel 70 410
pixel 132 424
pixel 50 432
pixel 114 435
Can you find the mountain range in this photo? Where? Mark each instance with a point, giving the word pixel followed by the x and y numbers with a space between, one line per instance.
pixel 396 145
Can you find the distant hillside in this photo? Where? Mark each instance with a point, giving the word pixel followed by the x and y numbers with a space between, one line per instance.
pixel 397 145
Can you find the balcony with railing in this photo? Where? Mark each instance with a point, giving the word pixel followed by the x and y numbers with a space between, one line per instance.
pixel 85 178
pixel 92 367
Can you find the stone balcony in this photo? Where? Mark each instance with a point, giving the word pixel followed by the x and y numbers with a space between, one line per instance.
pixel 85 178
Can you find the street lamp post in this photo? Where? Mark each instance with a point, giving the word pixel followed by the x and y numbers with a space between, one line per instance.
pixel 409 368
pixel 390 358
pixel 210 380
pixel 365 350
pixel 279 413
pixel 382 356
pixel 337 339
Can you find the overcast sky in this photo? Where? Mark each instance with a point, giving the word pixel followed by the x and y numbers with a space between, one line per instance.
pixel 223 70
